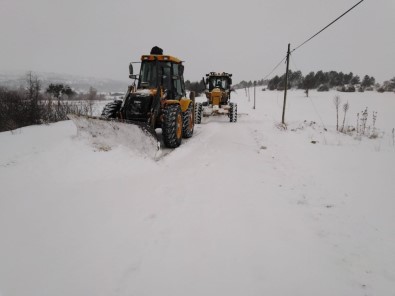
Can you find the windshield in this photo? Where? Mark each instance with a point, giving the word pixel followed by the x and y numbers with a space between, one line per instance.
pixel 148 75
pixel 217 81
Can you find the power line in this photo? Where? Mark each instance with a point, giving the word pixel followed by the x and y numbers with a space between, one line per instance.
pixel 293 62
pixel 327 25
pixel 274 69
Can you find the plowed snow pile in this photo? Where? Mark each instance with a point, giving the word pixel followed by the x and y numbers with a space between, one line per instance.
pixel 244 208
pixel 107 134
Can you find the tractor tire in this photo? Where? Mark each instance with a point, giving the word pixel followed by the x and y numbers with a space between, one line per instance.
pixel 188 122
pixel 233 112
pixel 198 113
pixel 172 126
pixel 111 109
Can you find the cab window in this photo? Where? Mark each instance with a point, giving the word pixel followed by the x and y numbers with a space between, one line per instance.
pixel 147 75
pixel 177 82
pixel 166 76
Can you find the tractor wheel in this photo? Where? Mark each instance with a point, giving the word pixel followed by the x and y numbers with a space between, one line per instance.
pixel 198 113
pixel 110 110
pixel 233 112
pixel 172 125
pixel 188 122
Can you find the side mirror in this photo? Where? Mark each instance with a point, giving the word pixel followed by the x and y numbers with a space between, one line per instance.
pixel 130 70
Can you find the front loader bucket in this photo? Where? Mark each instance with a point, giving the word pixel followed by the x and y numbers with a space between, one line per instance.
pixel 107 133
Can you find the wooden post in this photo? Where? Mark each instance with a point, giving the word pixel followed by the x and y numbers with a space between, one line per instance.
pixel 286 82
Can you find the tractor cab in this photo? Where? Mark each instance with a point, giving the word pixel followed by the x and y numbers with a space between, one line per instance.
pixel 161 72
pixel 218 80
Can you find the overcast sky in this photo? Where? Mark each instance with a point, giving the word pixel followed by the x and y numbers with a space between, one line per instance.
pixel 247 38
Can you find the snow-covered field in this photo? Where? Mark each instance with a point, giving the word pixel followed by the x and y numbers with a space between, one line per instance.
pixel 242 208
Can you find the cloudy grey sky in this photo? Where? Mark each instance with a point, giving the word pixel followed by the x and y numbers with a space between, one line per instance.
pixel 247 38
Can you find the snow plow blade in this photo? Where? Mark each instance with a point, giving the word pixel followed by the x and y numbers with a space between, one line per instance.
pixel 107 133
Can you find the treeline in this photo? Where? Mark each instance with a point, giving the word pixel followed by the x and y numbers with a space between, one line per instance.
pixel 323 81
pixel 245 84
pixel 198 87
pixel 29 105
pixel 320 79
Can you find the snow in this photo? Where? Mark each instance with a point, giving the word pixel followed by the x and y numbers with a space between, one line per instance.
pixel 104 135
pixel 242 208
pixel 145 92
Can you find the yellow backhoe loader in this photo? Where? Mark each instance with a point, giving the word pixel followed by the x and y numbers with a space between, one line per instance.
pixel 156 99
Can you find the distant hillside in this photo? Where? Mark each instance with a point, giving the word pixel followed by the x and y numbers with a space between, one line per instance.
pixel 78 83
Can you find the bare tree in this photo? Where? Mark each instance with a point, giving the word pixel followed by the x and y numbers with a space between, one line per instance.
pixel 92 96
pixel 364 119
pixel 346 106
pixel 27 106
pixel 337 102
pixel 33 86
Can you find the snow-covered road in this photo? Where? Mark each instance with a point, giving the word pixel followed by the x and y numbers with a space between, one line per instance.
pixel 239 209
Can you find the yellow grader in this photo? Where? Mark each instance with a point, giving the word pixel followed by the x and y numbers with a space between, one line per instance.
pixel 218 92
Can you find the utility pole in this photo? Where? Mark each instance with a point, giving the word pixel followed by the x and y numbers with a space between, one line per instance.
pixel 254 93
pixel 286 82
